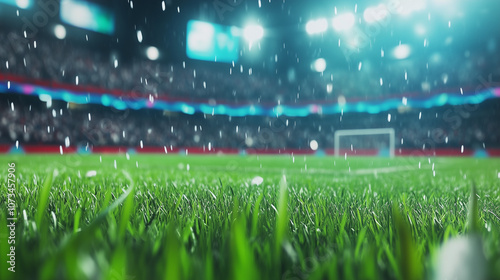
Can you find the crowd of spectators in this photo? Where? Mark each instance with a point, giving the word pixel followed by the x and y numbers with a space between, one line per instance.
pixel 62 61
pixel 27 120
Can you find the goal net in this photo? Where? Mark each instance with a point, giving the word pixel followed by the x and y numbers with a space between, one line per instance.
pixel 375 141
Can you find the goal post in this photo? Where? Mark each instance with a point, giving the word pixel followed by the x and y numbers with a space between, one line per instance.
pixel 366 133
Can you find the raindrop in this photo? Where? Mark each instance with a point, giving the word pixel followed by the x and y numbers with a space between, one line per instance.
pixel 66 141
pixel 139 36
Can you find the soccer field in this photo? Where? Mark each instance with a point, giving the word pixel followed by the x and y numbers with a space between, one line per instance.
pixel 249 217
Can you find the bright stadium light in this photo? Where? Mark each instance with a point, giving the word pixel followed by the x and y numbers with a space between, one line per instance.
pixel 201 36
pixel 375 13
pixel 60 31
pixel 319 65
pixel 343 22
pixel 23 4
pixel 408 7
pixel 152 53
pixel 253 33
pixel 401 51
pixel 316 26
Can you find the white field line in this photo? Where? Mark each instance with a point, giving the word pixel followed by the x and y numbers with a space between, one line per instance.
pixel 382 170
pixel 329 171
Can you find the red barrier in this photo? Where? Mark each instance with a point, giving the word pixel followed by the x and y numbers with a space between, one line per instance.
pixel 55 149
pixel 204 150
pixel 444 152
pixel 109 150
pixel 156 150
pixel 493 152
pixel 4 149
pixel 279 152
pixel 52 149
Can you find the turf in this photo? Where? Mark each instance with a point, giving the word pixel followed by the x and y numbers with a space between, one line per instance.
pixel 200 217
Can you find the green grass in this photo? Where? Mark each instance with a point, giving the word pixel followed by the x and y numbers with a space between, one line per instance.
pixel 311 218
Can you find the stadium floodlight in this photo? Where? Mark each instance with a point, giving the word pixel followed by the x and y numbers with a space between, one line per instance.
pixel 358 136
pixel 319 65
pixel 401 52
pixel 23 4
pixel 343 22
pixel 316 26
pixel 253 33
pixel 375 13
pixel 60 31
pixel 152 53
pixel 408 7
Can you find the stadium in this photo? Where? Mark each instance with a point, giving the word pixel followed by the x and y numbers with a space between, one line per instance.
pixel 233 139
